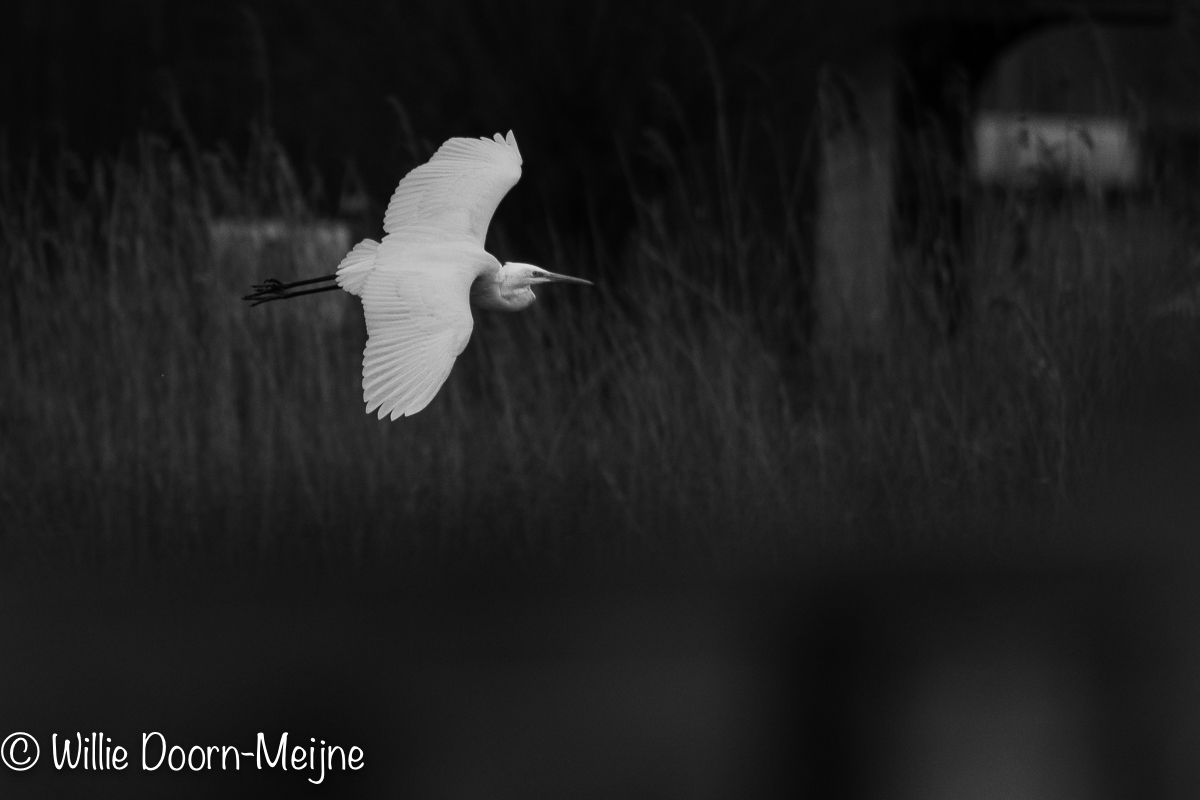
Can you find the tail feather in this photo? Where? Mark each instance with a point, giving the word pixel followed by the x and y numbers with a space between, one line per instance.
pixel 356 266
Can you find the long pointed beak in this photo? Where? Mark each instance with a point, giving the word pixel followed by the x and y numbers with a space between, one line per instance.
pixel 554 276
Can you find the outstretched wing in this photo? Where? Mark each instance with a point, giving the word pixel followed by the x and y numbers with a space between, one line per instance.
pixel 418 313
pixel 457 190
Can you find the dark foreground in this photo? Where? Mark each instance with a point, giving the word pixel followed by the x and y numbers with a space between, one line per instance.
pixel 1044 680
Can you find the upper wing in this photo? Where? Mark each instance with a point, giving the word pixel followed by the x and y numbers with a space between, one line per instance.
pixel 457 190
pixel 418 313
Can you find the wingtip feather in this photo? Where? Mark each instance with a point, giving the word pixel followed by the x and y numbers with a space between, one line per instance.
pixel 511 141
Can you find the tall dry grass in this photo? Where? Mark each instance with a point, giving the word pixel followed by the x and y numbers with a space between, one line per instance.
pixel 674 417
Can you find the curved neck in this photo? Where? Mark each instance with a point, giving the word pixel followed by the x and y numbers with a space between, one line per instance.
pixel 497 291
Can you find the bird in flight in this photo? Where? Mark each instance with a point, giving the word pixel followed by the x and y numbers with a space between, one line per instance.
pixel 418 283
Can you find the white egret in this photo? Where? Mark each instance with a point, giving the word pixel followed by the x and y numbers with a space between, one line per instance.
pixel 417 284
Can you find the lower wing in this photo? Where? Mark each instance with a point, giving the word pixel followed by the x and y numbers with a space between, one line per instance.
pixel 418 322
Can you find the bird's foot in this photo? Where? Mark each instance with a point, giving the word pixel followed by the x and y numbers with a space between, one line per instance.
pixel 270 289
pixel 273 285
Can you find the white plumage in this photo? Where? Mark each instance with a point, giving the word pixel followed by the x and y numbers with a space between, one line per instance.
pixel 416 303
pixel 417 284
pixel 457 190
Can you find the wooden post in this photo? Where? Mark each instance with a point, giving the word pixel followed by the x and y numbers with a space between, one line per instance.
pixel 854 218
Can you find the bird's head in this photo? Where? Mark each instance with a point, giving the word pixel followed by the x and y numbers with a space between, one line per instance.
pixel 520 276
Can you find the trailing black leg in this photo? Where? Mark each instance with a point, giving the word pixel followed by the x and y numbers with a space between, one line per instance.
pixel 274 289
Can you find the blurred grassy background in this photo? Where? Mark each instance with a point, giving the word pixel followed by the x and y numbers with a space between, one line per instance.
pixel 675 416
pixel 359 92
pixel 674 422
